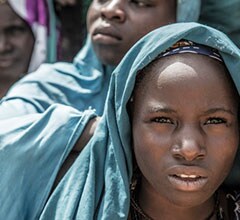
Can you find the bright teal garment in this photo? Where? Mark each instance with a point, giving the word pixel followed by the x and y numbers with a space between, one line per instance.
pixel 33 147
pixel 81 84
pixel 223 15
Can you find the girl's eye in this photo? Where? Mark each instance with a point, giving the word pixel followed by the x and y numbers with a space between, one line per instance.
pixel 163 120
pixel 215 121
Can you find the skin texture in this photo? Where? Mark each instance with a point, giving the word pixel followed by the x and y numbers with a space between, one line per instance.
pixel 115 25
pixel 16 45
pixel 184 121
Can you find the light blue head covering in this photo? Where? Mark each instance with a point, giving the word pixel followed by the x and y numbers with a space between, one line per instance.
pixel 97 185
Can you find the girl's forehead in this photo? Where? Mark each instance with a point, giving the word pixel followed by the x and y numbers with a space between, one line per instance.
pixel 187 85
pixel 179 67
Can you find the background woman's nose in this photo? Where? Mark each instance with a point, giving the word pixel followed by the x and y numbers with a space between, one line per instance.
pixel 4 44
pixel 114 10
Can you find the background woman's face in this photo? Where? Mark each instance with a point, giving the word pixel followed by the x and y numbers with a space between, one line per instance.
pixel 16 44
pixel 115 25
pixel 185 128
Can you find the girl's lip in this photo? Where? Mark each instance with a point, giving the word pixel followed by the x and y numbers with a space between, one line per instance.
pixel 187 178
pixel 187 184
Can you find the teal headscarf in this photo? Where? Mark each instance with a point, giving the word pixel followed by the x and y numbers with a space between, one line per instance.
pixel 33 147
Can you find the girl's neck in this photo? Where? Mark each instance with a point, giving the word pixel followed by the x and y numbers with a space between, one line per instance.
pixel 157 207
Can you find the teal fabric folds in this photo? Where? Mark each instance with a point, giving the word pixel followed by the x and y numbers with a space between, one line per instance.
pixel 188 10
pixel 223 15
pixel 82 84
pixel 32 149
pixel 97 184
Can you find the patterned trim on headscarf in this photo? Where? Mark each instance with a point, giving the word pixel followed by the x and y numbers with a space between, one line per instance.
pixel 185 46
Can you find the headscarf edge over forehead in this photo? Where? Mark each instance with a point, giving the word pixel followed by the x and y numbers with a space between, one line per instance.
pixel 150 46
pixel 102 189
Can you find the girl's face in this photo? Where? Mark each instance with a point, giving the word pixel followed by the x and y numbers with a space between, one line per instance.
pixel 115 25
pixel 185 129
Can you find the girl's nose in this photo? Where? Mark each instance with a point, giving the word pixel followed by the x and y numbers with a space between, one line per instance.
pixel 114 11
pixel 189 145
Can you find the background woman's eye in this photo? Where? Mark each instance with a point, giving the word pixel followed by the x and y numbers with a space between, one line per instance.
pixel 15 30
pixel 163 120
pixel 215 121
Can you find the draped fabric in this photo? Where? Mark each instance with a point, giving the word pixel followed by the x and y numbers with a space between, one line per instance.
pixel 40 16
pixel 82 84
pixel 223 15
pixel 97 185
pixel 32 150
pixel 188 10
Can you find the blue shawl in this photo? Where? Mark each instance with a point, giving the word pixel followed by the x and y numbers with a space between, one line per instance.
pixel 33 148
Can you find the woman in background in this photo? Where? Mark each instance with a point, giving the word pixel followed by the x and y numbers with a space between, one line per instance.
pixel 28 38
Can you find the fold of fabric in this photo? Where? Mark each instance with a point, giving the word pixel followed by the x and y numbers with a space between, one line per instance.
pixel 222 15
pixel 76 84
pixel 188 10
pixel 32 151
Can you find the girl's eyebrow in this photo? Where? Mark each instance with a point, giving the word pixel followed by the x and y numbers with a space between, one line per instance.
pixel 220 109
pixel 156 109
pixel 159 108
